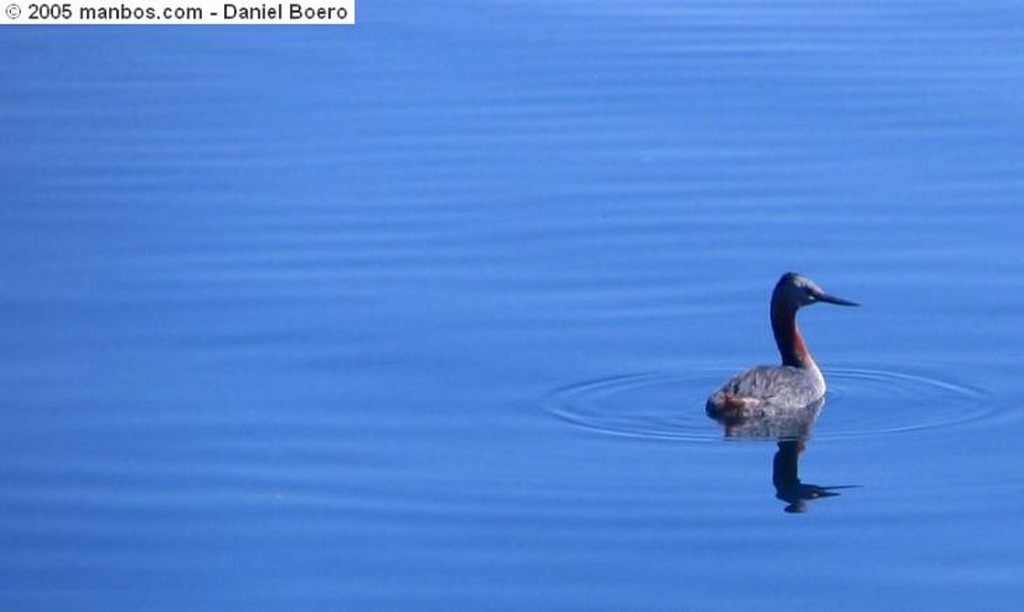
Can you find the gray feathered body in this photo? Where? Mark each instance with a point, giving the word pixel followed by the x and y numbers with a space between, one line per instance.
pixel 767 391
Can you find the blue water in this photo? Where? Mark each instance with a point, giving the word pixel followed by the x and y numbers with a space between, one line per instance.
pixel 421 314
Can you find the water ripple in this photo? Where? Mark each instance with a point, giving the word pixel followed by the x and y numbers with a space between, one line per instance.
pixel 860 402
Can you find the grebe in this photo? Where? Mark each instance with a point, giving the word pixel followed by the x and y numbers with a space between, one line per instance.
pixel 773 390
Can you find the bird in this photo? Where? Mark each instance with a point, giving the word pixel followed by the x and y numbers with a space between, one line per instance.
pixel 768 391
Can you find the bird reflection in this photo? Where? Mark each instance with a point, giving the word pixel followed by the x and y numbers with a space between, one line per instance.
pixel 786 478
pixel 791 430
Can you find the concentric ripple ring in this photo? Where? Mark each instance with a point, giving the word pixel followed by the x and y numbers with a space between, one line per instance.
pixel 670 405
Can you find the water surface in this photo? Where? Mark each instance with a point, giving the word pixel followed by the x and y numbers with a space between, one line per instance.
pixel 422 313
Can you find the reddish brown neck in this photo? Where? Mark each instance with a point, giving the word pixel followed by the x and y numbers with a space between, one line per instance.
pixel 787 337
